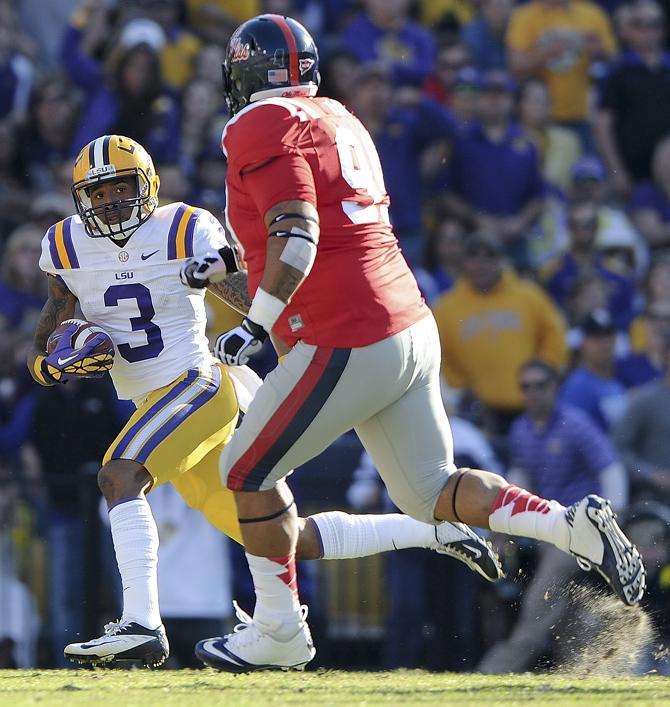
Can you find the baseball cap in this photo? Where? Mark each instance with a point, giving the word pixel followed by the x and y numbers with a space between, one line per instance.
pixel 142 31
pixel 588 168
pixel 599 322
pixel 498 80
pixel 467 78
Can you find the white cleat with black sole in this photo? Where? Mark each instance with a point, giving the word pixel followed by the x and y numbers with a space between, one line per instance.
pixel 462 543
pixel 248 648
pixel 598 543
pixel 123 641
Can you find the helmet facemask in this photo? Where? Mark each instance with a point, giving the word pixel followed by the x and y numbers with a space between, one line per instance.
pixel 100 221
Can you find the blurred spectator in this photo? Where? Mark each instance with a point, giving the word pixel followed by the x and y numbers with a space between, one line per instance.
pixel 557 40
pixel 14 194
pixel 44 23
pixel 640 367
pixel 338 73
pixel 490 323
pixel 402 125
pixel 194 580
pixel 452 58
pixel 22 285
pixel 648 526
pixel 592 386
pixel 16 67
pixel 657 292
pixel 174 182
pixel 125 95
pixel 443 259
pixel 634 106
pixel 643 435
pixel 180 46
pixel 588 183
pixel 47 139
pixel 558 148
pixel 465 93
pixel 201 119
pixel 383 32
pixel 210 174
pixel 583 258
pixel 493 180
pixel 650 202
pixel 485 34
pixel 19 621
pixel 557 452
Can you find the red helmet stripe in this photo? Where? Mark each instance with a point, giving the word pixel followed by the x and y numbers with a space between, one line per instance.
pixel 292 48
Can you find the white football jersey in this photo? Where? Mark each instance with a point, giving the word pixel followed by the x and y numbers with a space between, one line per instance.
pixel 134 292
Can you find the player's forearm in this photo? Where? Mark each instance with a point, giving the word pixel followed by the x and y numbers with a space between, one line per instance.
pixel 603 132
pixel 59 306
pixel 279 279
pixel 234 291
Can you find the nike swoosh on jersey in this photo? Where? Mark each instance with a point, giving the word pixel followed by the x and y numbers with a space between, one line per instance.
pixel 146 257
pixel 63 361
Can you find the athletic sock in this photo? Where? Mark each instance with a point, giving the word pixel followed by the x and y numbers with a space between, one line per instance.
pixel 135 539
pixel 343 535
pixel 277 602
pixel 519 512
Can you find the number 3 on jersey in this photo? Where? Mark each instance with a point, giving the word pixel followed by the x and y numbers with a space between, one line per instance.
pixel 362 171
pixel 142 296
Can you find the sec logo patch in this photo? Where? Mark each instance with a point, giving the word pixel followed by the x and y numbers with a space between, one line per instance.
pixel 123 256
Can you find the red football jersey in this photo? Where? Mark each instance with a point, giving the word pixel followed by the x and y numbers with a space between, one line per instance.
pixel 360 289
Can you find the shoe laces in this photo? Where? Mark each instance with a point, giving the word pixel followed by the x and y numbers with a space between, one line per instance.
pixel 247 622
pixel 115 627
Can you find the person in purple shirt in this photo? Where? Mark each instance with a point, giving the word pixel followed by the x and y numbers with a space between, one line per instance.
pixel 592 386
pixel 402 123
pixel 650 202
pixel 493 181
pixel 560 274
pixel 557 451
pixel 485 34
pixel 384 33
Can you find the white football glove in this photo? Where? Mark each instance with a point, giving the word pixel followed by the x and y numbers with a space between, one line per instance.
pixel 211 267
pixel 234 347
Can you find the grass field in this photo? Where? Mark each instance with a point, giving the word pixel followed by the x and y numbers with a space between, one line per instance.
pixel 184 688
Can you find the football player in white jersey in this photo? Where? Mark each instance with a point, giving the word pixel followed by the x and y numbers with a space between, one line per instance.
pixel 119 258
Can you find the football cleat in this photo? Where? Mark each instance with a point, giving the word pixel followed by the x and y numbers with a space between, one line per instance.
pixel 248 648
pixel 462 543
pixel 122 641
pixel 598 543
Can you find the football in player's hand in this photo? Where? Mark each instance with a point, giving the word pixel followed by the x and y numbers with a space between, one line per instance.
pixel 78 332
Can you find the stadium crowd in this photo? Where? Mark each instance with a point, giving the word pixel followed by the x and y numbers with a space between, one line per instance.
pixel 526 151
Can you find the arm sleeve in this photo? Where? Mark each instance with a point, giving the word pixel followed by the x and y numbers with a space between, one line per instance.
pixel 208 234
pixel 284 178
pixel 602 26
pixel 46 263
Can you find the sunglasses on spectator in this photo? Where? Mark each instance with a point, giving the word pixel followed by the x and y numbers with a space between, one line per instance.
pixel 534 385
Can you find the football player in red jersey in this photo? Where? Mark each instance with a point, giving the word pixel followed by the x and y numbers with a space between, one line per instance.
pixel 307 203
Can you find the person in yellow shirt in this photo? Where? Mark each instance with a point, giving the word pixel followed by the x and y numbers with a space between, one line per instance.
pixel 557 41
pixel 490 323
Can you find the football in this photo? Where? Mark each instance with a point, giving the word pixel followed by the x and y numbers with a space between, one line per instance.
pixel 79 332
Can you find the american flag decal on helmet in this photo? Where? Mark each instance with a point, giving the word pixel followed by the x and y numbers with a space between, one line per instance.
pixel 277 75
pixel 305 65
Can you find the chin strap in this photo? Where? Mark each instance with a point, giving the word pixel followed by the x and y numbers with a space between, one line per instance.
pixel 262 519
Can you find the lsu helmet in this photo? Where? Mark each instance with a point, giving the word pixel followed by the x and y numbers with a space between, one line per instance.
pixel 106 159
pixel 269 55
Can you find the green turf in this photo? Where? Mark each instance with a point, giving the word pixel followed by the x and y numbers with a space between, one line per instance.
pixel 184 688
